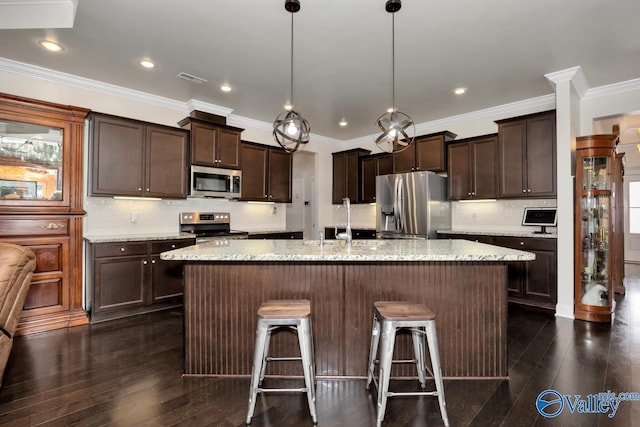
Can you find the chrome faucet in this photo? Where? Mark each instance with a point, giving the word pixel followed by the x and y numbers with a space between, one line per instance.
pixel 346 236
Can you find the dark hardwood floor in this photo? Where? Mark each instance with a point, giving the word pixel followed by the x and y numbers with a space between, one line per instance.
pixel 128 373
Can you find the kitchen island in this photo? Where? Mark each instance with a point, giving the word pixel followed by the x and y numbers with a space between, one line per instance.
pixel 464 283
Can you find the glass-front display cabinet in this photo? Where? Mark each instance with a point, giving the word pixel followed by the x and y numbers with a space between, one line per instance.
pixel 594 233
pixel 41 205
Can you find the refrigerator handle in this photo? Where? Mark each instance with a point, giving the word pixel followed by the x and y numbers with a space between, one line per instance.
pixel 398 204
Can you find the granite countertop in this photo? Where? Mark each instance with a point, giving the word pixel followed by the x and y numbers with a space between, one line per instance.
pixel 505 233
pixel 107 238
pixel 336 250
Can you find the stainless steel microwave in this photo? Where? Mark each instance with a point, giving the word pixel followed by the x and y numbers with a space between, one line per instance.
pixel 215 182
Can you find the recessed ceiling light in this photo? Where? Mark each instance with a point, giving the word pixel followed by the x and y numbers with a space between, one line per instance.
pixel 51 45
pixel 460 90
pixel 288 106
pixel 343 123
pixel 147 63
pixel 225 87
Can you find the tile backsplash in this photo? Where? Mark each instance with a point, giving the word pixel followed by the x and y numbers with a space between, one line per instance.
pixel 501 215
pixel 115 216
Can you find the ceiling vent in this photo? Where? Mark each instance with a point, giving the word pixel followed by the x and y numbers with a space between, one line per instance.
pixel 192 79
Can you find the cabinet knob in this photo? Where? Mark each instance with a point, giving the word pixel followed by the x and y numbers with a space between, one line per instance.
pixel 173 246
pixel 139 188
pixel 145 262
pixel 473 193
pixel 148 189
pixel 468 194
pixel 521 243
pixel 374 197
pixel 153 261
pixel 524 191
pixel 121 249
pixel 528 190
pixel 417 168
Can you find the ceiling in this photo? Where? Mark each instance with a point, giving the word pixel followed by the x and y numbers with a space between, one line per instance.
pixel 499 49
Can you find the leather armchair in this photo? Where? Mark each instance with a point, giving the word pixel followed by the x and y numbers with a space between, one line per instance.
pixel 17 264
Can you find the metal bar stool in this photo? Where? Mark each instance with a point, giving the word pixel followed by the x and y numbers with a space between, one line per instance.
pixel 274 315
pixel 388 318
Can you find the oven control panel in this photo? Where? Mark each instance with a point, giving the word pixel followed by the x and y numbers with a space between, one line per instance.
pixel 205 218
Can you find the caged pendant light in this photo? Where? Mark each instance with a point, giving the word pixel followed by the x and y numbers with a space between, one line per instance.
pixel 397 128
pixel 290 129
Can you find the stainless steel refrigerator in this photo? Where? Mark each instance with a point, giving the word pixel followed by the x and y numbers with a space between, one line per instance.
pixel 412 205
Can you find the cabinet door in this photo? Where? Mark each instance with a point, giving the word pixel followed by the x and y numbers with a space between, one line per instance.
pixel 352 176
pixel 228 150
pixel 117 145
pixel 405 161
pixel 254 172
pixel 540 279
pixel 512 144
pixel 384 164
pixel 279 176
pixel 339 178
pixel 119 283
pixel 368 166
pixel 459 171
pixel 166 162
pixel 430 154
pixel 203 144
pixel 166 279
pixel 485 168
pixel 541 156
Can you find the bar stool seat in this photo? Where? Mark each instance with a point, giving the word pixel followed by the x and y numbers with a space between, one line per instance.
pixel 389 317
pixel 272 316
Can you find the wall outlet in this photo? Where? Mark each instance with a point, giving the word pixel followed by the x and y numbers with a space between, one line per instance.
pixel 134 215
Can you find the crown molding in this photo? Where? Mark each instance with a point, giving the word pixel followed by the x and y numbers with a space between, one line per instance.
pixel 194 104
pixel 512 109
pixel 613 89
pixel 246 122
pixel 575 75
pixel 58 77
pixel 21 14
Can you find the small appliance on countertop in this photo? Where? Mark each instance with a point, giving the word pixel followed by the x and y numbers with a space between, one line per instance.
pixel 208 226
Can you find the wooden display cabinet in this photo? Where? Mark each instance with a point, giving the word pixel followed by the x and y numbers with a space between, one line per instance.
pixel 594 234
pixel 41 205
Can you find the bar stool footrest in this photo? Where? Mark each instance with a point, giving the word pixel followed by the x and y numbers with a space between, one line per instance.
pixel 284 390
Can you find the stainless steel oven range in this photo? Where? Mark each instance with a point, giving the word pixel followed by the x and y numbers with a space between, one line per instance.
pixel 209 226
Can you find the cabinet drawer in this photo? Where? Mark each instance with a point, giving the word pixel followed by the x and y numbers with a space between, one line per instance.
pixel 102 250
pixel 34 227
pixel 168 245
pixel 526 243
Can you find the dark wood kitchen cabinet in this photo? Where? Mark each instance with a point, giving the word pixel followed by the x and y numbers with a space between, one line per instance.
pixel 266 173
pixel 370 168
pixel 473 168
pixel 129 278
pixel 346 174
pixel 213 144
pixel 427 153
pixel 527 147
pixel 46 215
pixel 532 283
pixel 134 158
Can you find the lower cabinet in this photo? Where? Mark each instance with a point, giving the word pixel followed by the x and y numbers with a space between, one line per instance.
pixel 356 233
pixel 531 283
pixel 54 299
pixel 130 278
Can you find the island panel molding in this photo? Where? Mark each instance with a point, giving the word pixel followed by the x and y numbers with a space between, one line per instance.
pixel 469 299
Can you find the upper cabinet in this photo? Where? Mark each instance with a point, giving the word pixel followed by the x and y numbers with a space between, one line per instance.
pixel 427 153
pixel 346 174
pixel 528 156
pixel 266 173
pixel 150 159
pixel 473 168
pixel 370 168
pixel 40 147
pixel 213 144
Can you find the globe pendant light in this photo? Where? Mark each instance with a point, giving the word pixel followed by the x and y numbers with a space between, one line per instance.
pixel 397 127
pixel 290 129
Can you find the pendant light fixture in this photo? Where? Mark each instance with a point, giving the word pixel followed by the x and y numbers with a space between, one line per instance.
pixel 397 127
pixel 290 129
